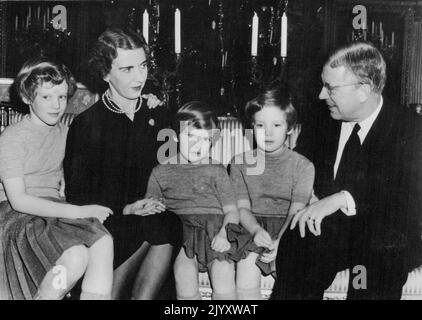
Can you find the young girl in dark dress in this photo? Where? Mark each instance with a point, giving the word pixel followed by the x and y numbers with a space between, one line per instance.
pixel 111 150
pixel 46 244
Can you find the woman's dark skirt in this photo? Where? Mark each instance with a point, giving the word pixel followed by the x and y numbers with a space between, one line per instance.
pixel 130 232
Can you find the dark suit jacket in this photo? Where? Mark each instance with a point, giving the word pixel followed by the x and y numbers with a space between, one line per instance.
pixel 387 188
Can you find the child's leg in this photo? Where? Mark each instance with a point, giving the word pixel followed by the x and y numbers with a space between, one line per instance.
pixel 153 272
pixel 248 278
pixel 98 278
pixel 72 265
pixel 223 280
pixel 186 275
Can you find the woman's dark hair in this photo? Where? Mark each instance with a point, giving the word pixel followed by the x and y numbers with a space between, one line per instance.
pixel 35 72
pixel 270 98
pixel 198 114
pixel 104 50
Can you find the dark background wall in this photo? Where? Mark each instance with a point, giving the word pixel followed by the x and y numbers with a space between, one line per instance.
pixel 210 29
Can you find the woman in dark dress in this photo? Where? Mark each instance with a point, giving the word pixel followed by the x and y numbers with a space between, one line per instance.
pixel 111 150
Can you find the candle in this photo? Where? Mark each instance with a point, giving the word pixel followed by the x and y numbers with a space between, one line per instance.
pixel 392 39
pixel 177 42
pixel 254 41
pixel 381 34
pixel 145 25
pixel 38 13
pixel 283 42
pixel 373 29
pixel 16 23
pixel 158 15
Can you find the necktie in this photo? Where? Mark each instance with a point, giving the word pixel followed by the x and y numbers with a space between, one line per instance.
pixel 349 163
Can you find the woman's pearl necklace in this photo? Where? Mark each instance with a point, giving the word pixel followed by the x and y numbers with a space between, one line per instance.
pixel 113 107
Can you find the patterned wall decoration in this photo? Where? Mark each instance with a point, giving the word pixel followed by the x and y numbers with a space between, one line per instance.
pixel 412 62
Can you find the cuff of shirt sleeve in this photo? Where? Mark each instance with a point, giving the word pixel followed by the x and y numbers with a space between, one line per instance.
pixel 350 210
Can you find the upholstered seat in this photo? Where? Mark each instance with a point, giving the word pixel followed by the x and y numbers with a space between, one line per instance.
pixel 232 142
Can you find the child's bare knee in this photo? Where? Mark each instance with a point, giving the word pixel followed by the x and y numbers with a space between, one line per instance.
pixel 223 280
pixel 184 268
pixel 105 242
pixel 186 276
pixel 75 260
pixel 224 267
pixel 248 275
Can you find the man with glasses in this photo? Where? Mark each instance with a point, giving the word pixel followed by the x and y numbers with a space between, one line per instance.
pixel 367 190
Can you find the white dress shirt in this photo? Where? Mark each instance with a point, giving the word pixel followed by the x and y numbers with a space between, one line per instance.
pixel 346 131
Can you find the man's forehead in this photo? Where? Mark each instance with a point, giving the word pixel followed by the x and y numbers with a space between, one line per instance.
pixel 339 73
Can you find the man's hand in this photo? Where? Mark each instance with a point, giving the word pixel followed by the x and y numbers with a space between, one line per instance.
pixel 313 214
pixel 314 198
pixel 152 100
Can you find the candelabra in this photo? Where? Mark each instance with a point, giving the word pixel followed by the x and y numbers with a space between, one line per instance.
pixel 278 71
pixel 377 35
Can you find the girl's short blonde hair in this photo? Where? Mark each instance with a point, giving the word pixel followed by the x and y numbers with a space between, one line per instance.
pixel 36 72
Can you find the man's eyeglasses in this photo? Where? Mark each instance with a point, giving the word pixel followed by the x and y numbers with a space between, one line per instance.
pixel 330 89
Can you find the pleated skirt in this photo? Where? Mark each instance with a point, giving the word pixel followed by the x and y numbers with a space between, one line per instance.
pixel 246 245
pixel 198 232
pixel 30 246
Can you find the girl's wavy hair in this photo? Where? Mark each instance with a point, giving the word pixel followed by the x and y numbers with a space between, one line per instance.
pixel 104 50
pixel 363 60
pixel 197 114
pixel 270 98
pixel 35 72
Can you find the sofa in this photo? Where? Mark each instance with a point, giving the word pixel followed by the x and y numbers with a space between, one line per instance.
pixel 231 142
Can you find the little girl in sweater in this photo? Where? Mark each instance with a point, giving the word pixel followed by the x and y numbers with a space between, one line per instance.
pixel 201 194
pixel 46 244
pixel 267 200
